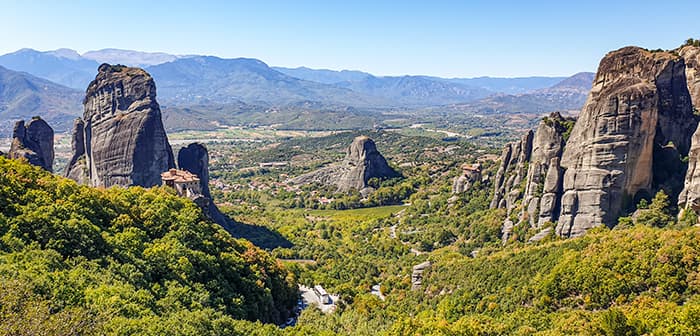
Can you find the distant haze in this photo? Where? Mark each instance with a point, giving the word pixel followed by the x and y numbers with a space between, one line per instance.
pixel 449 39
pixel 203 92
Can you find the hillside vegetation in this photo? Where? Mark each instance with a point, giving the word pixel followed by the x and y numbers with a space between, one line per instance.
pixel 640 278
pixel 79 260
pixel 637 281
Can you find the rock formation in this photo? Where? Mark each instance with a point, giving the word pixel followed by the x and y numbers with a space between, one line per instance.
pixel 511 172
pixel 544 177
pixel 530 176
pixel 690 196
pixel 77 169
pixel 471 173
pixel 362 162
pixel 33 142
pixel 691 56
pixel 121 140
pixel 629 142
pixel 417 275
pixel 629 139
pixel 124 141
pixel 195 159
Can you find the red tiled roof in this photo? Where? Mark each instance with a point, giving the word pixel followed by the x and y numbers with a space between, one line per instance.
pixel 472 167
pixel 178 176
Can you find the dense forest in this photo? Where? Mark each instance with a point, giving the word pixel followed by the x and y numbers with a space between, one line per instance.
pixel 79 260
pixel 635 281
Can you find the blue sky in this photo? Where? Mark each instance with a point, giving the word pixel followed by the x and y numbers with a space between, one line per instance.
pixel 441 38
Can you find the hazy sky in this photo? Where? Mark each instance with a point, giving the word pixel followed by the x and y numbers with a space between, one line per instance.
pixel 431 37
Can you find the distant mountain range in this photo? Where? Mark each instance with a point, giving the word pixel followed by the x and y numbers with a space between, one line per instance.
pixel 63 66
pixel 325 76
pixel 492 84
pixel 129 57
pixel 212 80
pixel 204 90
pixel 567 95
pixel 23 96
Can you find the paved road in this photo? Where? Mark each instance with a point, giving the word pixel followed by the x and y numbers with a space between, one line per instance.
pixel 310 298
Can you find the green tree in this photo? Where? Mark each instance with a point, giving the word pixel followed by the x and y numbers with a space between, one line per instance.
pixel 659 212
pixel 613 322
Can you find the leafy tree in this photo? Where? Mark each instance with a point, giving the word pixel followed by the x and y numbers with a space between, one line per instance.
pixel 614 323
pixel 659 212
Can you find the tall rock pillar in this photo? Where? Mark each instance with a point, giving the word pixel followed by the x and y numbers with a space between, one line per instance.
pixel 124 141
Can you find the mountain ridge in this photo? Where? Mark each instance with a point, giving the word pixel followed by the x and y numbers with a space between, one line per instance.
pixel 130 57
pixel 204 91
pixel 72 69
pixel 23 96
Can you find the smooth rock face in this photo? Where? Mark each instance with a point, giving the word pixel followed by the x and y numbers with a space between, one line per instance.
pixel 551 193
pixel 33 142
pixel 629 139
pixel 77 169
pixel 195 159
pixel 362 162
pixel 690 196
pixel 124 139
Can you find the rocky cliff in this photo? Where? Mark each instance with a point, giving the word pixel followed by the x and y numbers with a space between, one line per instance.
pixel 77 169
pixel 528 182
pixel 124 142
pixel 362 162
pixel 543 186
pixel 511 172
pixel 33 142
pixel 471 173
pixel 691 56
pixel 690 196
pixel 632 139
pixel 195 159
